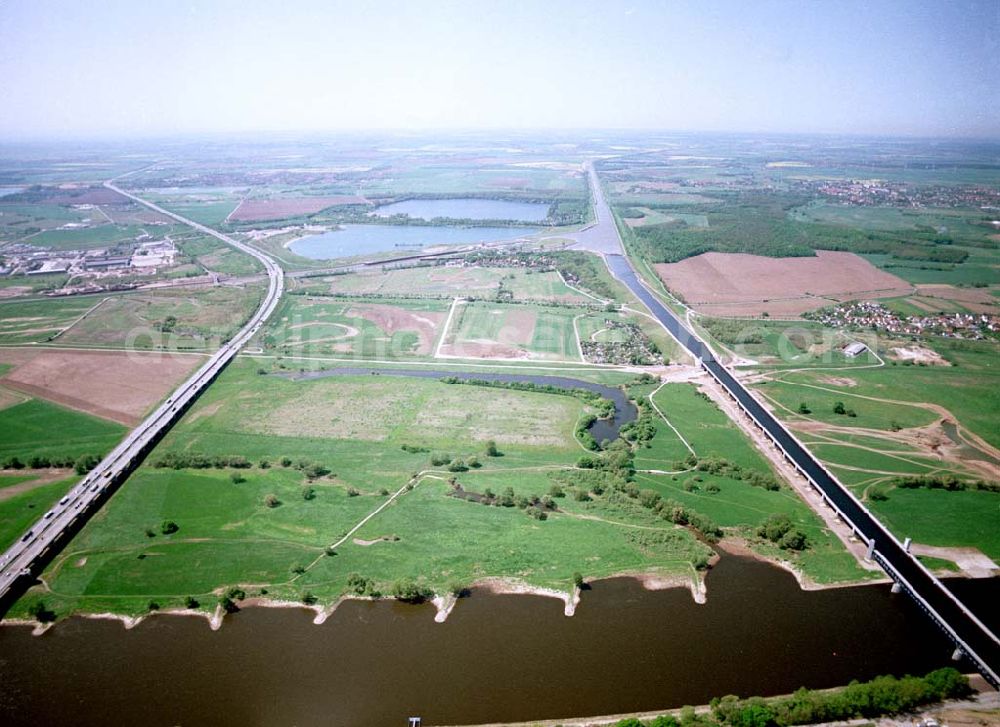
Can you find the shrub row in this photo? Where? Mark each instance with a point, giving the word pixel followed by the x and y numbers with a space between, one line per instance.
pixel 881 696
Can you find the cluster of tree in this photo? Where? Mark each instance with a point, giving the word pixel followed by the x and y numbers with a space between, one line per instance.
pixel 758 222
pixel 882 695
pixel 312 470
pixel 592 481
pixel 167 325
pixel 585 271
pixel 734 332
pixel 81 465
pixel 440 459
pixel 680 514
pixel 943 482
pixel 229 600
pixel 748 221
pixel 194 460
pixel 616 458
pixel 725 468
pixel 569 211
pixel 879 697
pixel 41 613
pixel 582 432
pixel 839 408
pixel 613 472
pixel 413 449
pixel 533 505
pixel 362 586
pixel 780 530
pixel 643 428
pixel 411 591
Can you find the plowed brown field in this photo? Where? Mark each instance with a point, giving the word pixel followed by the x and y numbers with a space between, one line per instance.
pixel 736 284
pixel 113 385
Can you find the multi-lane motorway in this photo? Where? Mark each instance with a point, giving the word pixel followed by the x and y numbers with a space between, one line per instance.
pixel 972 638
pixel 23 560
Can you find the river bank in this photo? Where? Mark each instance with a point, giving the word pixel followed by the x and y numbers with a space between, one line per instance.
pixel 695 582
pixel 758 632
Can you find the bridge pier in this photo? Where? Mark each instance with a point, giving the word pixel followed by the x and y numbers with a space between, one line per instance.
pixel 896 588
pixel 906 544
pixel 871 551
pixel 957 654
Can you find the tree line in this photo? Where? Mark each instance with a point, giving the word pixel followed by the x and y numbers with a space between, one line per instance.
pixel 878 697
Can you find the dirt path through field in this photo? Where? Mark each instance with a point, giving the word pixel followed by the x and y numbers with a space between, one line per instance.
pixel 43 477
pixel 969 438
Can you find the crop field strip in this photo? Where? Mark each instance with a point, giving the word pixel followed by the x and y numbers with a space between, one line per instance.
pixel 483 330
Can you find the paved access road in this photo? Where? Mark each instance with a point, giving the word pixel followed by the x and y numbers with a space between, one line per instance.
pixel 25 559
pixel 970 635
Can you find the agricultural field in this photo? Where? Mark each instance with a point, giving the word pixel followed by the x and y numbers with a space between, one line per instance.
pixel 724 284
pixel 264 210
pixel 37 321
pixel 643 216
pixel 172 319
pixel 218 257
pixel 369 328
pixel 227 534
pixel 26 432
pixel 481 330
pixel 515 284
pixel 459 179
pixel 115 386
pixel 920 225
pixel 790 344
pixel 85 238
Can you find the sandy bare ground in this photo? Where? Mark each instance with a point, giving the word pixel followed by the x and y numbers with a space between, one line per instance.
pixel 919 354
pixel 110 384
pixel 392 319
pixel 40 477
pixel 279 209
pixel 971 560
pixel 740 284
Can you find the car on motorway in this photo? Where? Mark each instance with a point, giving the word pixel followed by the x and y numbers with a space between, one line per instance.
pixel 27 536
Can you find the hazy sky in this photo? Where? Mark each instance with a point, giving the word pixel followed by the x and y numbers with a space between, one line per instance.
pixel 141 67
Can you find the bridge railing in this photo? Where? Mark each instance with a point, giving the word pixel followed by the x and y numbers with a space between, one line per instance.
pixel 985 669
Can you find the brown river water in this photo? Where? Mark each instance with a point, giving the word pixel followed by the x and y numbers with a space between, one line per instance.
pixel 496 658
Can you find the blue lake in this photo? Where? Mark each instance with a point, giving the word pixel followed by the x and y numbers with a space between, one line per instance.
pixel 466 209
pixel 366 239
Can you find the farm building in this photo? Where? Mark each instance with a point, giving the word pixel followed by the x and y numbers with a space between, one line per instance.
pixel 107 263
pixel 855 348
